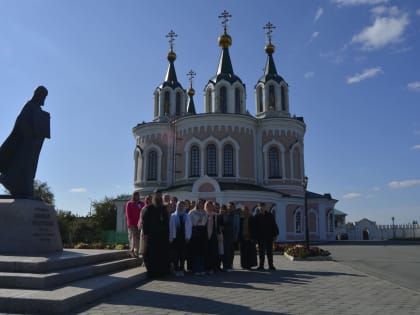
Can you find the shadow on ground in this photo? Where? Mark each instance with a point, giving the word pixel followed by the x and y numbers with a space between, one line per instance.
pixel 239 279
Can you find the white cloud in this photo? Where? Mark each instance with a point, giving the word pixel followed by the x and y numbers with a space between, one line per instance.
pixel 376 188
pixel 309 75
pixel 366 74
pixel 78 190
pixel 416 147
pixel 314 35
pixel 383 10
pixel 414 86
pixel 404 183
pixel 418 12
pixel 384 31
pixel 318 14
pixel 358 2
pixel 352 196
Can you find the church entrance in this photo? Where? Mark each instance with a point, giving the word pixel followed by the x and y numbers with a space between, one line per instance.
pixel 365 234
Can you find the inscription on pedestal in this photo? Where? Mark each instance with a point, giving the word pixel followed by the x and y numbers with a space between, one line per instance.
pixel 42 224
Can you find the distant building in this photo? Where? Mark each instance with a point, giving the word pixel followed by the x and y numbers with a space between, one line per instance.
pixel 225 154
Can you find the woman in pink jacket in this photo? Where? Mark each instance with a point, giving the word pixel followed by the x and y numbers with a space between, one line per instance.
pixel 132 213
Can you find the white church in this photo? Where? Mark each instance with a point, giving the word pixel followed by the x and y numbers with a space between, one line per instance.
pixel 226 154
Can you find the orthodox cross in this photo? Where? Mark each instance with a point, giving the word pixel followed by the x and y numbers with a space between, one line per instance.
pixel 191 75
pixel 225 16
pixel 171 35
pixel 269 29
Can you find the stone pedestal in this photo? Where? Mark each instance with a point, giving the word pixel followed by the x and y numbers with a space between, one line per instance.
pixel 28 227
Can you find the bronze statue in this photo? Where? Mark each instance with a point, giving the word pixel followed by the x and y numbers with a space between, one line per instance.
pixel 20 151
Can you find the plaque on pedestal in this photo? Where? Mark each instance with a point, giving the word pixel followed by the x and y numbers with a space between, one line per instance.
pixel 28 227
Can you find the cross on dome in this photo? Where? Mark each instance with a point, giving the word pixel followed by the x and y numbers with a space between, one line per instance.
pixel 191 75
pixel 171 35
pixel 225 16
pixel 269 29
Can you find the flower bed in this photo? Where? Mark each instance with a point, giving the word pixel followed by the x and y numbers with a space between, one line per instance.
pixel 299 252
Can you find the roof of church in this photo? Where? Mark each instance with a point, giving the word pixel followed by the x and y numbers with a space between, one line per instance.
pixel 338 212
pixel 171 79
pixel 313 195
pixel 227 186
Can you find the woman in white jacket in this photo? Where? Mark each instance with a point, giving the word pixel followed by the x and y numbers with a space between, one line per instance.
pixel 179 235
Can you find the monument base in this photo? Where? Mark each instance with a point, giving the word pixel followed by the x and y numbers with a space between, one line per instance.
pixel 28 227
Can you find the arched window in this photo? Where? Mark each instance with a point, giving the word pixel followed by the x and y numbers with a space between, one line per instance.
pixel 152 170
pixel 273 163
pixel 223 99
pixel 211 160
pixel 178 104
pixel 283 98
pixel 237 101
pixel 166 101
pixel 208 101
pixel 260 99
pixel 195 161
pixel 156 104
pixel 330 221
pixel 228 160
pixel 271 97
pixel 298 222
pixel 297 163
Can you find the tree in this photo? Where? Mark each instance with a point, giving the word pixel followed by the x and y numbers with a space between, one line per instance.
pixel 66 222
pixel 43 191
pixel 105 213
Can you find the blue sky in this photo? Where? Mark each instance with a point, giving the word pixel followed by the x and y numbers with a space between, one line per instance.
pixel 352 67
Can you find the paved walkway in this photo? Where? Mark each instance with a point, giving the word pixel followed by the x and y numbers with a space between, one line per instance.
pixel 326 287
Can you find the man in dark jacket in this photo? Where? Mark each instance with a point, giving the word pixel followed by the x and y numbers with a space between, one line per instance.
pixel 266 231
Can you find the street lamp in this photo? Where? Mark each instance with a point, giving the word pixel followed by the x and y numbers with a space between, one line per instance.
pixel 414 231
pixel 305 186
pixel 393 228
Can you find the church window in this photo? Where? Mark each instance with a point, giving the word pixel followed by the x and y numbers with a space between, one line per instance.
pixel 283 98
pixel 298 222
pixel 195 161
pixel 260 99
pixel 237 101
pixel 178 104
pixel 223 99
pixel 208 101
pixel 330 222
pixel 271 97
pixel 228 160
pixel 166 103
pixel 152 170
pixel 296 163
pixel 211 160
pixel 156 104
pixel 273 163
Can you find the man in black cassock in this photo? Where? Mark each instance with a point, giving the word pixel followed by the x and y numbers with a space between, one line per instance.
pixel 155 225
pixel 20 151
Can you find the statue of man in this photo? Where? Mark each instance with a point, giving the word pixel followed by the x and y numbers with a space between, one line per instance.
pixel 20 151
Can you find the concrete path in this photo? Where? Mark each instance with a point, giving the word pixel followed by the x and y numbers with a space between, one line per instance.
pixel 326 287
pixel 397 262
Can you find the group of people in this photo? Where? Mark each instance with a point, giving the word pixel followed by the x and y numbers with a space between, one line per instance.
pixel 178 235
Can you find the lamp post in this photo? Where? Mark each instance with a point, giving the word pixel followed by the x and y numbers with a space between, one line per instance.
pixel 393 227
pixel 305 186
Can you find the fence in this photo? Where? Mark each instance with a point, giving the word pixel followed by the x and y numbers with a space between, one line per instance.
pixel 113 237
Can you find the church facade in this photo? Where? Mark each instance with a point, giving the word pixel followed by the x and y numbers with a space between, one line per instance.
pixel 226 154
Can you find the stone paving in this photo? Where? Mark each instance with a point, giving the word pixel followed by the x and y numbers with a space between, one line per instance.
pixel 324 287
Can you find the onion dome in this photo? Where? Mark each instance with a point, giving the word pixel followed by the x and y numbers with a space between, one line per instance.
pixel 191 92
pixel 270 71
pixel 225 69
pixel 170 79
